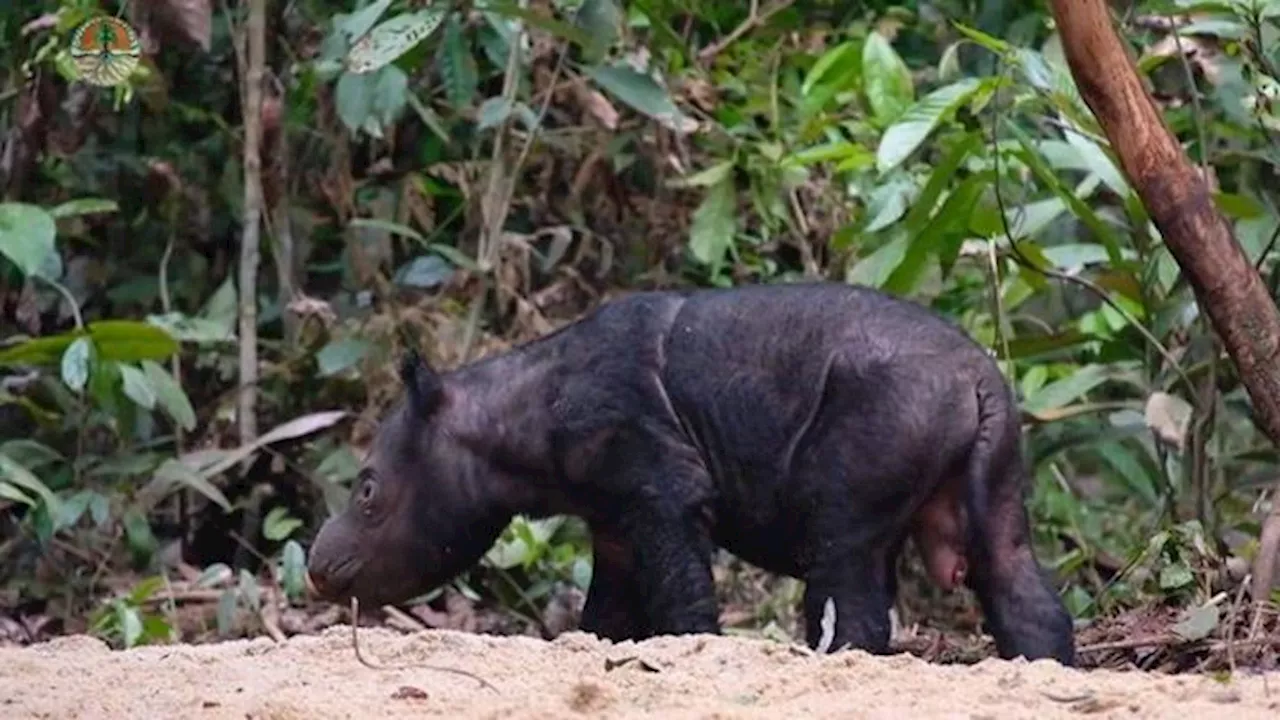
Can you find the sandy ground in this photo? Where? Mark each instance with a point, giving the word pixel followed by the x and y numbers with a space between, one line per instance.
pixel 576 676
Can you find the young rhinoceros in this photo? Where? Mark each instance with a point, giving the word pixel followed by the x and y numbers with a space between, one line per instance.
pixel 808 429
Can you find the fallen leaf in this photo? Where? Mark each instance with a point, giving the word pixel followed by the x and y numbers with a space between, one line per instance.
pixel 311 307
pixel 601 109
pixel 1198 623
pixel 611 664
pixel 409 692
pixel 1169 416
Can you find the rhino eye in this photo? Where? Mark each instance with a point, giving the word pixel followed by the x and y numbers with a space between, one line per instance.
pixel 367 491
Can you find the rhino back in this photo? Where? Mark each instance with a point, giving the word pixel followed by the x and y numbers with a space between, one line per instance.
pixel 744 367
pixel 746 370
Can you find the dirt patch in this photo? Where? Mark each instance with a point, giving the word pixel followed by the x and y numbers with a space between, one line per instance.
pixel 575 676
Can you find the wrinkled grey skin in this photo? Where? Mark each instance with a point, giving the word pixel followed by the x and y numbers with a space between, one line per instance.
pixel 805 428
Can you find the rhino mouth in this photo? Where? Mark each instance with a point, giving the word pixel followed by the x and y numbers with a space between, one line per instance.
pixel 350 578
pixel 333 583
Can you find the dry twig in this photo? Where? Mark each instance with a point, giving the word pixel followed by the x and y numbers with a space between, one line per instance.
pixel 755 18
pixel 1264 564
pixel 355 645
pixel 1174 640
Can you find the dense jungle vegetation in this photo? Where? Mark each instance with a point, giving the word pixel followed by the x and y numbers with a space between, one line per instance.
pixel 184 399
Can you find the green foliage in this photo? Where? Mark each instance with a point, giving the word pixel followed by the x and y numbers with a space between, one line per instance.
pixel 127 621
pixel 26 236
pixel 886 78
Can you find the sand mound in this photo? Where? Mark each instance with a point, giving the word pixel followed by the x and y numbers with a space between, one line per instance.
pixel 576 675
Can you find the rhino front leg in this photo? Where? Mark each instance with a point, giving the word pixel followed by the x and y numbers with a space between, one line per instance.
pixel 613 610
pixel 674 572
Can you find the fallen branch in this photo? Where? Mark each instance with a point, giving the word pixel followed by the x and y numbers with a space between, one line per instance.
pixel 1264 563
pixel 1175 641
pixel 355 645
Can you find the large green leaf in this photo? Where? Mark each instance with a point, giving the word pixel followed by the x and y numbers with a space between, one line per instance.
pixel 341 354
pixel 293 568
pixel 835 72
pixel 136 387
pixel 27 234
pixel 876 268
pixel 131 341
pixel 458 70
pixel 392 38
pixel 390 95
pixel 170 395
pixel 714 224
pixel 1137 478
pixel 19 478
pixel 888 203
pixel 852 156
pixel 940 180
pixel 704 178
pixel 1082 210
pixel 839 61
pixel 1073 256
pixel 356 24
pixel 886 80
pixel 994 44
pixel 640 92
pixel 84 206
pixel 1033 217
pixel 951 220
pixel 557 28
pixel 174 472
pixel 1060 392
pixel 1026 346
pixel 113 340
pixel 278 524
pixel 899 273
pixel 600 20
pixel 75 363
pixel 31 454
pixel 493 112
pixel 1097 160
pixel 915 125
pixel 353 99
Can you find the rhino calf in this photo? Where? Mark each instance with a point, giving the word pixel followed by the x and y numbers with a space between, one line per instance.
pixel 808 429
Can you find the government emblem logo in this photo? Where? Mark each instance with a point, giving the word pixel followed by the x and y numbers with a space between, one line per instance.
pixel 105 50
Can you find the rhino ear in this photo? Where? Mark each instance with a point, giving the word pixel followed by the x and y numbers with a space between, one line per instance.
pixel 423 384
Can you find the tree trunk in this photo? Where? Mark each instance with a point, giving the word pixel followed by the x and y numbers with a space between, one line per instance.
pixel 1228 289
pixel 250 252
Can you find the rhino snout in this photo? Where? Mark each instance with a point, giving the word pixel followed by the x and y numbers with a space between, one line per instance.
pixel 332 564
